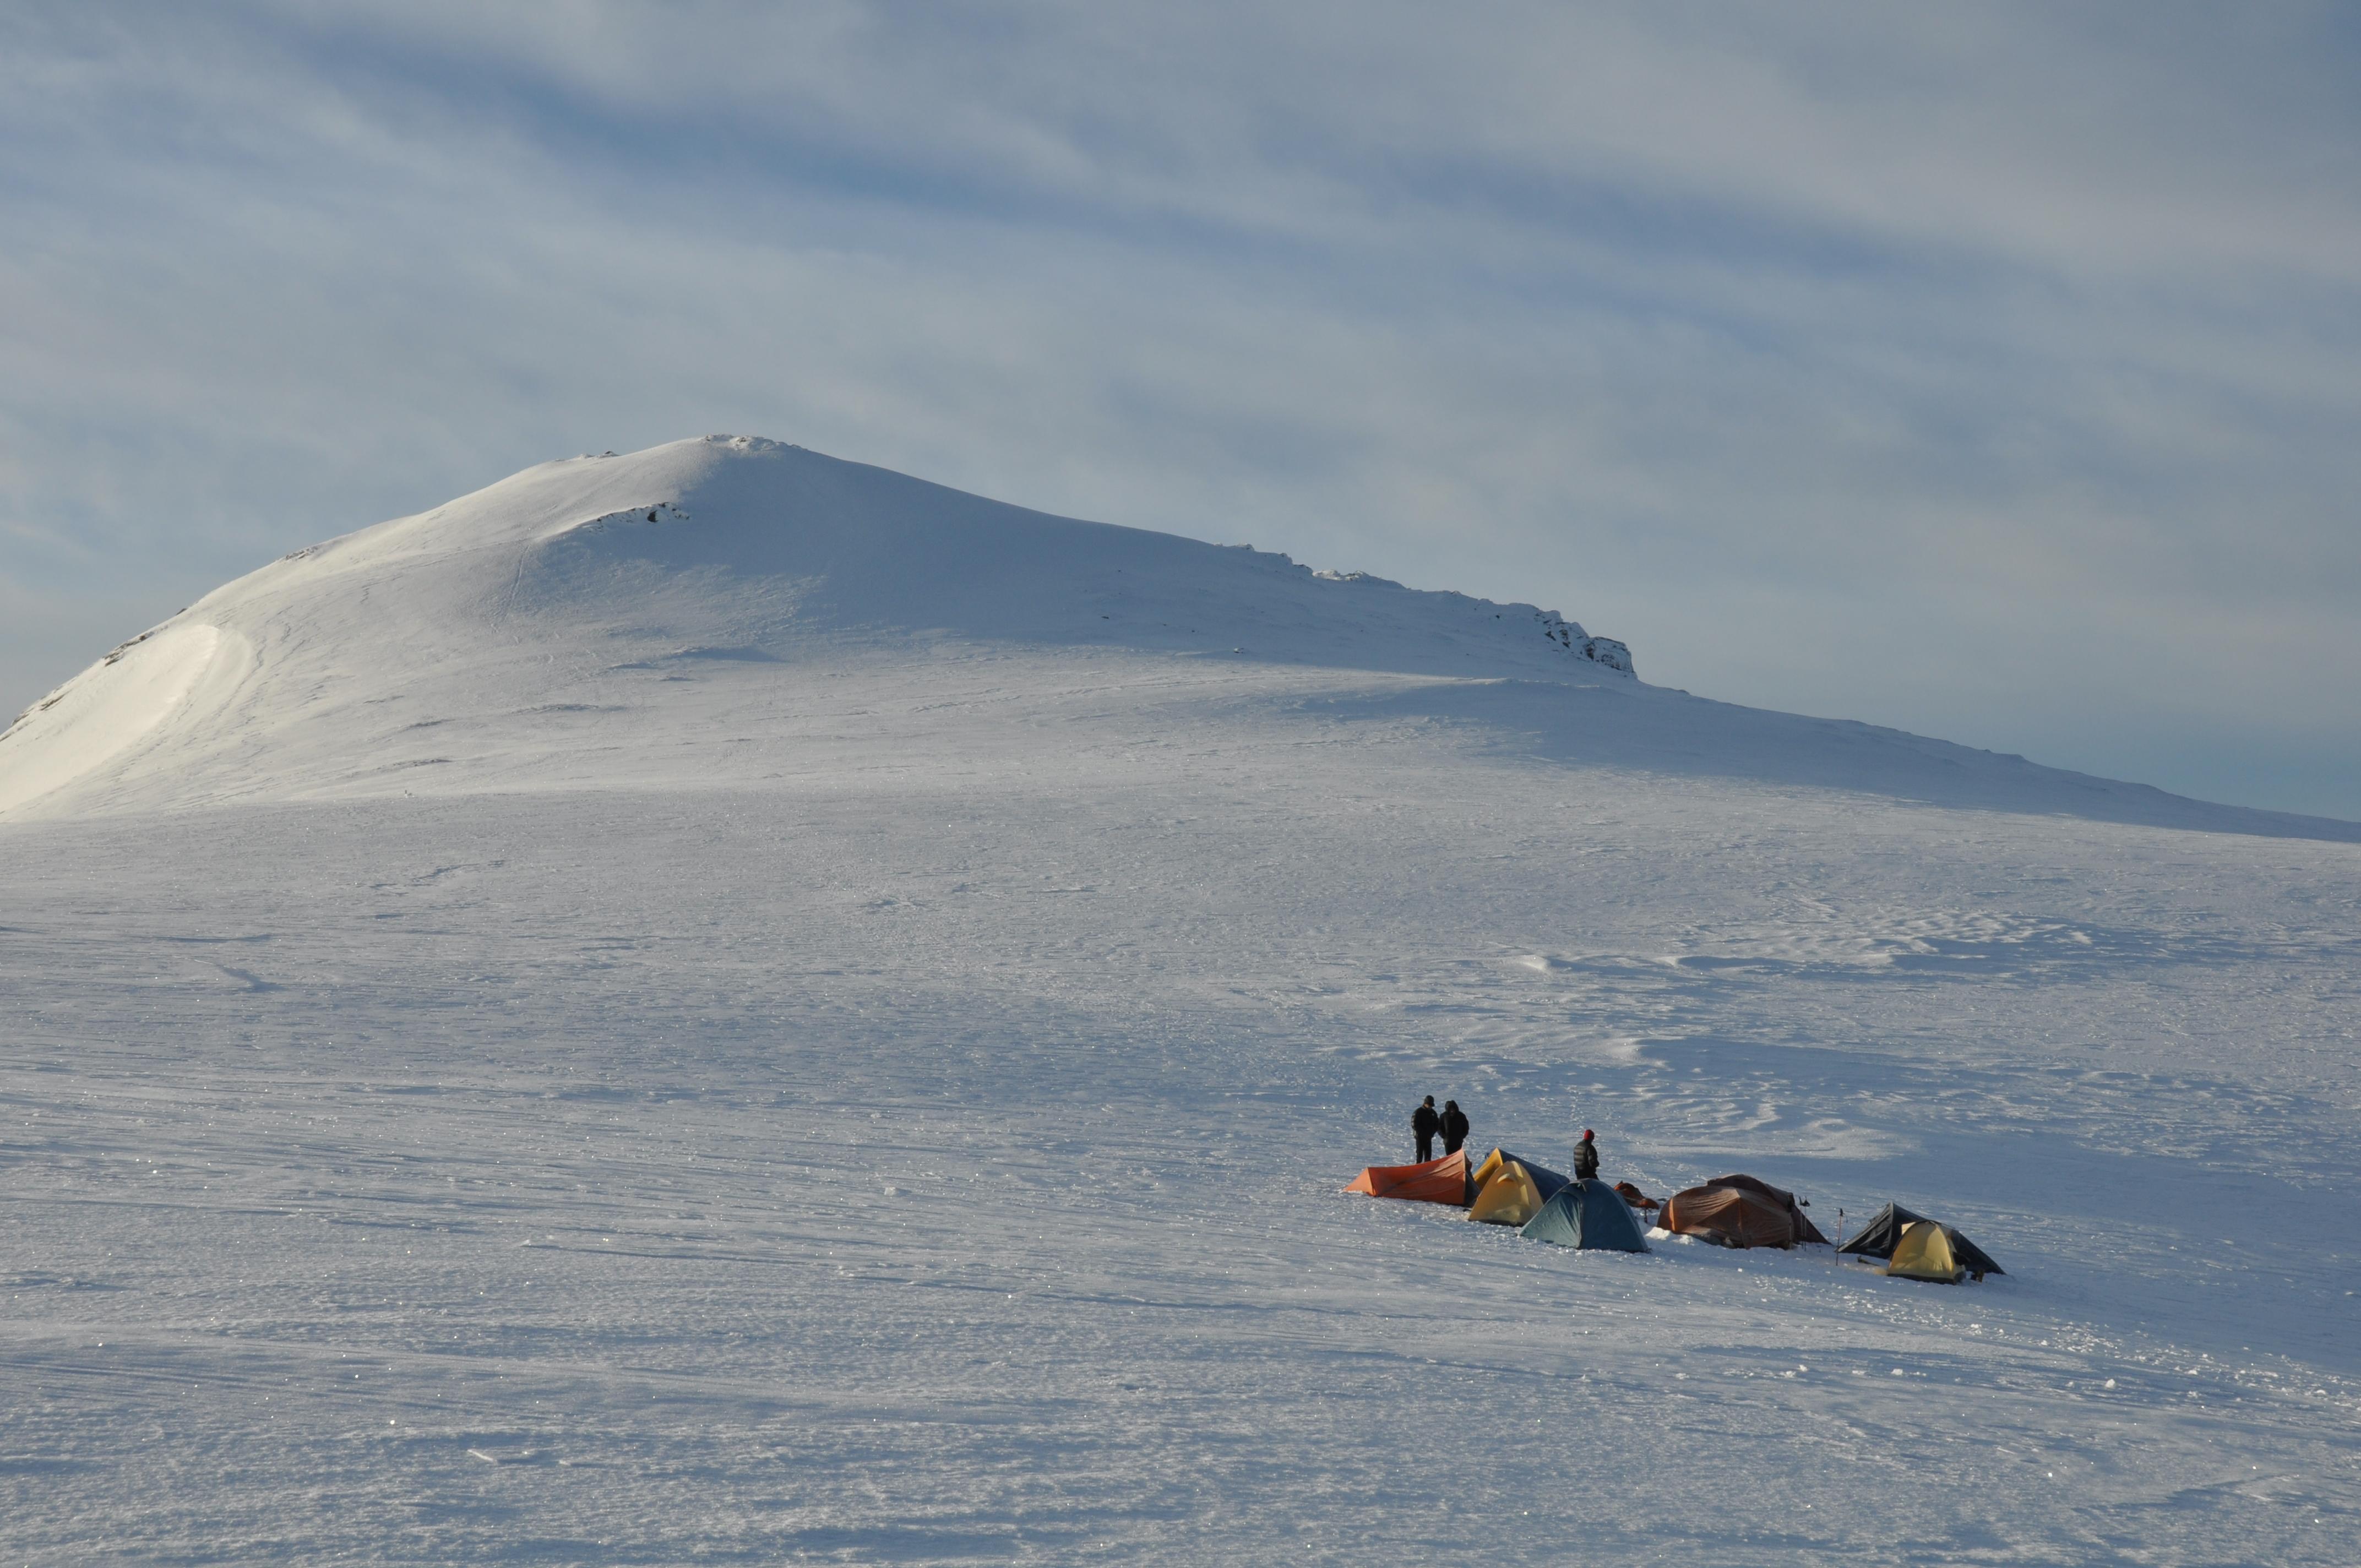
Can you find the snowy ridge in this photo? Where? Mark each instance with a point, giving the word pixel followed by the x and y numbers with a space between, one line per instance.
pixel 1565 634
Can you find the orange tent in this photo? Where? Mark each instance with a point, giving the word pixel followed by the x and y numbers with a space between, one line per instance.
pixel 1441 1180
pixel 1634 1197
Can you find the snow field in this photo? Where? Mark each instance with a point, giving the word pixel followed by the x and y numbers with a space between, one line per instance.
pixel 720 1005
pixel 912 1172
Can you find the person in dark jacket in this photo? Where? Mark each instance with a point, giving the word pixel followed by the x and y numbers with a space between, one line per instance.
pixel 1423 1124
pixel 1586 1157
pixel 1455 1126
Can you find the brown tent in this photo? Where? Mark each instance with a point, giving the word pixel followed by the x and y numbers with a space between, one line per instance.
pixel 1742 1212
pixel 1441 1180
pixel 1805 1229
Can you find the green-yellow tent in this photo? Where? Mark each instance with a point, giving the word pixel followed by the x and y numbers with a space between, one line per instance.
pixel 1884 1234
pixel 1924 1253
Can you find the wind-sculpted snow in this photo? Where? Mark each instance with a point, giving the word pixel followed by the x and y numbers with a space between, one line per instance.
pixel 563 1037
pixel 138 699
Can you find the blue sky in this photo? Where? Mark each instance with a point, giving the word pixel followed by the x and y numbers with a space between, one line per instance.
pixel 1987 371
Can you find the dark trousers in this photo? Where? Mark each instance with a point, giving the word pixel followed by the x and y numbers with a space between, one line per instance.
pixel 1451 1145
pixel 1426 1148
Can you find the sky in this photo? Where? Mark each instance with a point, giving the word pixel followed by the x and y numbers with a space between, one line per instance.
pixel 1986 371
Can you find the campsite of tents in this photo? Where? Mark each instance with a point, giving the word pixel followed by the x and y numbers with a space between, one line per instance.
pixel 1735 1211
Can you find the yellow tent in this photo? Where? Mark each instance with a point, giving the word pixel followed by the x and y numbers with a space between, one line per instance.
pixel 1509 1198
pixel 1509 1191
pixel 1924 1253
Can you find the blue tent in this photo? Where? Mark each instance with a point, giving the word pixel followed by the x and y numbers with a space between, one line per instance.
pixel 1586 1214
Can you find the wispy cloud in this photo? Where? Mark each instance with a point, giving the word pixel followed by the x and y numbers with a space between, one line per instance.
pixel 1983 371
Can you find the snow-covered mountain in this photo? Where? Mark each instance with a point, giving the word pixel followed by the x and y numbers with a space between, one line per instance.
pixel 719 610
pixel 517 634
pixel 721 1005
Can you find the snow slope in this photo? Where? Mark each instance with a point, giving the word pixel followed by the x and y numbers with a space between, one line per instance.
pixel 827 1026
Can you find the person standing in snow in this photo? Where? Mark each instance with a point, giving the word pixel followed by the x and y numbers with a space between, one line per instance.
pixel 1586 1157
pixel 1455 1126
pixel 1423 1124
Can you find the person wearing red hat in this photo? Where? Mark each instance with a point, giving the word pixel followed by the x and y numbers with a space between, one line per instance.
pixel 1586 1157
